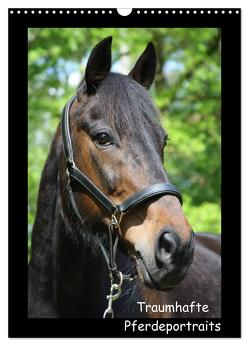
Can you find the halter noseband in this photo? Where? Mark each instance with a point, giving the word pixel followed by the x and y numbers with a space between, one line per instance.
pixel 115 210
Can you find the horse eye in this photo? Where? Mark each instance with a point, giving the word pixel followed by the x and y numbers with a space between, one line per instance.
pixel 103 139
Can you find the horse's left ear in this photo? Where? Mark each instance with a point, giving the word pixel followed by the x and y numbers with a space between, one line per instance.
pixel 144 70
pixel 97 68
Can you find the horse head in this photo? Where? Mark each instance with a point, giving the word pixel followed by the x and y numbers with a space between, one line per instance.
pixel 118 143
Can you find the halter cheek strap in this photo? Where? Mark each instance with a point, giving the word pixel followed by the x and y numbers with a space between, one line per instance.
pixel 115 210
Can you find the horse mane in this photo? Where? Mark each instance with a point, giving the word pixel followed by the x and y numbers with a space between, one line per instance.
pixel 43 232
pixel 46 202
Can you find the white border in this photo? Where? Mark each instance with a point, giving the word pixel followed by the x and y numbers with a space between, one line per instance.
pixel 245 166
pixel 149 12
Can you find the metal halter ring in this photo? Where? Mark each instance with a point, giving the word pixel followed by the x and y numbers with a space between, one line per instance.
pixel 116 219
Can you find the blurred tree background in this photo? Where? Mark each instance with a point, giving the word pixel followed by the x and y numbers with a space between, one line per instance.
pixel 186 90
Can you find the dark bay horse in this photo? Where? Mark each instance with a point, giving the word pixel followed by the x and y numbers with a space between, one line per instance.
pixel 117 143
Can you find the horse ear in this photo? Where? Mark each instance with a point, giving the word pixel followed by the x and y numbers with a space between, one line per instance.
pixel 144 70
pixel 98 66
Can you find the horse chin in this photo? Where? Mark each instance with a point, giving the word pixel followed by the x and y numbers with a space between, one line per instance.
pixel 150 282
pixel 144 274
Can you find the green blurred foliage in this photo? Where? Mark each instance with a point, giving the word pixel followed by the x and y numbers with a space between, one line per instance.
pixel 186 91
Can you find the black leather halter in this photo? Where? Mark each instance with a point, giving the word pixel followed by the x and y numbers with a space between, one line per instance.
pixel 116 211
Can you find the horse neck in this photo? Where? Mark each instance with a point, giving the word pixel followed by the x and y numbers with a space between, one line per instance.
pixel 63 274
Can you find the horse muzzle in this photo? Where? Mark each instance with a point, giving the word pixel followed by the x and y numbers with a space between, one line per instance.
pixel 169 263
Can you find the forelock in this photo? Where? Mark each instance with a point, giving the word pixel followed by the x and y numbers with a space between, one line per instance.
pixel 128 106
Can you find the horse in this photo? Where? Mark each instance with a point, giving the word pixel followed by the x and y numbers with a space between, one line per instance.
pixel 110 235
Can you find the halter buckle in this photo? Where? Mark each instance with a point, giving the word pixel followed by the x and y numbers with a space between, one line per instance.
pixel 70 163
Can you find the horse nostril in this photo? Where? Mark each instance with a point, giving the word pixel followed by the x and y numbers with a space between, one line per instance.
pixel 166 245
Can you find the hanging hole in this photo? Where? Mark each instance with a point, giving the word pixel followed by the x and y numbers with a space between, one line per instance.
pixel 124 11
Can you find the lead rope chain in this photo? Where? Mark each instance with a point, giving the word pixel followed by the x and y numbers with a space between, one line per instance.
pixel 116 276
